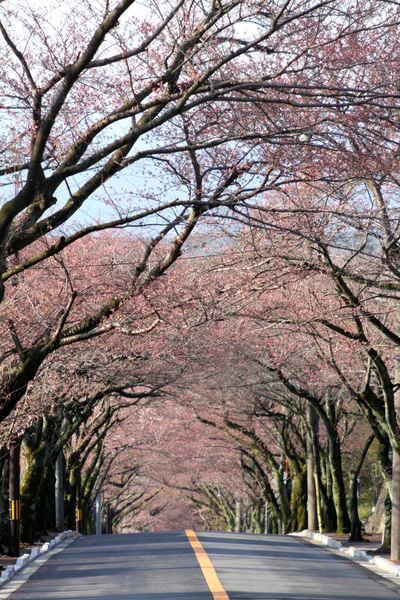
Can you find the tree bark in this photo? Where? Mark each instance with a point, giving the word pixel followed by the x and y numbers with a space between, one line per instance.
pixel 395 527
pixel 109 522
pixel 37 483
pixel 339 494
pixel 335 463
pixel 298 501
pixel 387 524
pixel 312 421
pixel 4 497
pixel 326 495
pixel 59 492
pixel 355 535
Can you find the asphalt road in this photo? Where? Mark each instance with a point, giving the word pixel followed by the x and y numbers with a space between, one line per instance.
pixel 164 566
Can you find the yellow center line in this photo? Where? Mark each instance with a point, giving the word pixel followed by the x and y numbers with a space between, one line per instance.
pixel 206 567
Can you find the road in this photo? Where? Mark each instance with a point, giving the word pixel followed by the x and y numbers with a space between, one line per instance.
pixel 203 566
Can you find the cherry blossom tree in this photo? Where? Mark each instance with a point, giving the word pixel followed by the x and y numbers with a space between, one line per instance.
pixel 173 81
pixel 277 325
pixel 268 127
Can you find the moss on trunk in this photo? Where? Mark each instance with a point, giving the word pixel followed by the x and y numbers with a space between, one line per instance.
pixel 298 503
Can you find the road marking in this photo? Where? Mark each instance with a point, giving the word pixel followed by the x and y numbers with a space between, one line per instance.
pixel 206 567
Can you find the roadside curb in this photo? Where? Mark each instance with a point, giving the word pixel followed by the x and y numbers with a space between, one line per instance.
pixel 12 570
pixel 353 553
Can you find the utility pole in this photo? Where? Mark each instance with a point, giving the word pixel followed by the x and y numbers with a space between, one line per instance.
pixel 266 524
pixel 14 495
pixel 237 516
pixel 59 492
pixel 395 530
pixel 79 511
pixel 98 514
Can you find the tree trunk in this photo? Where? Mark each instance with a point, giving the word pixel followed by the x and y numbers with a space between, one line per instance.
pixel 4 497
pixel 298 501
pixel 72 468
pixel 37 491
pixel 339 494
pixel 385 468
pixel 335 463
pixel 37 483
pixel 110 526
pixel 29 487
pixel 387 522
pixel 355 535
pixel 326 495
pixel 395 527
pixel 59 492
pixel 312 422
pixel 283 490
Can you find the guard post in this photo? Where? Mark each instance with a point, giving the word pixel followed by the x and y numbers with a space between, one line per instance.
pixel 79 511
